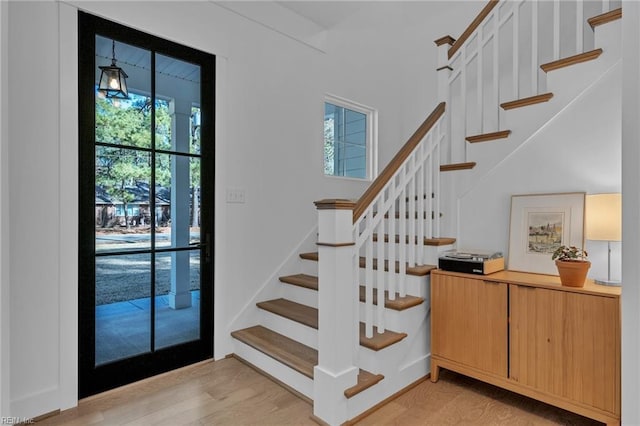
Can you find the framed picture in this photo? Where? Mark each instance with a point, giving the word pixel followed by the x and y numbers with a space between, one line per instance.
pixel 540 223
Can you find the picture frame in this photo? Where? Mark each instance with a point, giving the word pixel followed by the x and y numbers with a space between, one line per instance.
pixel 540 223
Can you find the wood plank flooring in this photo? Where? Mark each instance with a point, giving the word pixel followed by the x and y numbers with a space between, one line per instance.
pixel 228 392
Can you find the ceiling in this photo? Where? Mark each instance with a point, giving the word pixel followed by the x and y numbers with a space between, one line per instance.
pixel 128 56
pixel 323 13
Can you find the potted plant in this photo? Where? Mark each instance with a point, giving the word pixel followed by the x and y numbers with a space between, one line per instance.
pixel 572 265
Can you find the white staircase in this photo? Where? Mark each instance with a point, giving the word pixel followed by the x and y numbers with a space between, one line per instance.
pixel 338 346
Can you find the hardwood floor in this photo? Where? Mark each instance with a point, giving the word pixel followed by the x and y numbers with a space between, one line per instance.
pixel 228 392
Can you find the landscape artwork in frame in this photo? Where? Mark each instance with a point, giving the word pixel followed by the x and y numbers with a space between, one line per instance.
pixel 540 223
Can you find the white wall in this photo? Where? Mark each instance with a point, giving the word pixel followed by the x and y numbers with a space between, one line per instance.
pixel 269 143
pixel 630 217
pixel 34 189
pixel 384 56
pixel 4 213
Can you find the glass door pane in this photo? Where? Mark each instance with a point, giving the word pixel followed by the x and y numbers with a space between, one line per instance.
pixel 123 237
pixel 177 170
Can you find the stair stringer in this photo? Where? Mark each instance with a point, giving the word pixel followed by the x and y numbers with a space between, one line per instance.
pixel 272 288
pixel 401 364
pixel 566 84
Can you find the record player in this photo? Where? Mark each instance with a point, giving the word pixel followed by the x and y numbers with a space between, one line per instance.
pixel 481 263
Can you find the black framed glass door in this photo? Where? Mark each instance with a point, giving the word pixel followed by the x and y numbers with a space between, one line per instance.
pixel 146 205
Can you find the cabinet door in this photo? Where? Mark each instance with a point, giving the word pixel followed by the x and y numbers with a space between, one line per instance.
pixel 469 322
pixel 566 344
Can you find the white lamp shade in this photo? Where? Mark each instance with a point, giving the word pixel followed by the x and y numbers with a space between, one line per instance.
pixel 603 217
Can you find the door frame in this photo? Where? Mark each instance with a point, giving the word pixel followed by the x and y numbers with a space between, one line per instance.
pixel 93 379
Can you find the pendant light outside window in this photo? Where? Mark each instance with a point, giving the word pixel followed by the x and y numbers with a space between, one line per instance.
pixel 113 80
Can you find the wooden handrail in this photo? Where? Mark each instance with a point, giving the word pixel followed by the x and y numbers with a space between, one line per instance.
pixel 388 172
pixel 471 28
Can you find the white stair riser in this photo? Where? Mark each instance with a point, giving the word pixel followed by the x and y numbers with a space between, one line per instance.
pixel 292 329
pixel 290 377
pixel 608 38
pixel 575 78
pixel 309 267
pixel 298 294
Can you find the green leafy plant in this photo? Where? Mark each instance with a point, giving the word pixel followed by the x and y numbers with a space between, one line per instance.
pixel 569 254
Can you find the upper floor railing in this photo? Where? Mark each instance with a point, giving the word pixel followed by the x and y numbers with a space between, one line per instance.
pixel 498 59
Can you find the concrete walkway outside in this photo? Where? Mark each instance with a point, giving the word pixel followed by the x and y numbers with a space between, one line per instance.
pixel 123 328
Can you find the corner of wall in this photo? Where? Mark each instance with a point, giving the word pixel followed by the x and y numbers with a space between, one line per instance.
pixel 4 216
pixel 631 197
pixel 68 201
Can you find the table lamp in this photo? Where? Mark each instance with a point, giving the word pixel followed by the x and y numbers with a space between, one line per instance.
pixel 603 222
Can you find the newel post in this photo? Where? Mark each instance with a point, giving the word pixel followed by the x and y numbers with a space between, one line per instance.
pixel 337 315
pixel 444 72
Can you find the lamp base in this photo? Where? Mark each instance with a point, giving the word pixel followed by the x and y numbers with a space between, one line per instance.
pixel 612 283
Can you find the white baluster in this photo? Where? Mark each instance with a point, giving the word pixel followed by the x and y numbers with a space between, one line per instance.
pixel 463 100
pixel 368 282
pixel 381 273
pixel 419 242
pixel 496 68
pixel 534 48
pixel 411 220
pixel 392 236
pixel 516 51
pixel 605 6
pixel 429 187
pixel 480 84
pixel 402 234
pixel 556 29
pixel 436 183
pixel 579 26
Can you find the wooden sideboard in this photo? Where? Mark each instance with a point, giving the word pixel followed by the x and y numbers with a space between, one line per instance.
pixel 529 334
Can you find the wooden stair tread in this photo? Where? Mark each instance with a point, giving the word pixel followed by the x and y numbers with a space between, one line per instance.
pixel 291 353
pixel 309 316
pixel 365 381
pixel 398 304
pixel 571 60
pixel 442 241
pixel 486 137
pixel 418 270
pixel 457 166
pixel 379 340
pixel 301 280
pixel 531 100
pixel 605 18
pixel 294 311
pixel 310 256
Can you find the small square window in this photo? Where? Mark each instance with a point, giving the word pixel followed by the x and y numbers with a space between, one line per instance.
pixel 348 139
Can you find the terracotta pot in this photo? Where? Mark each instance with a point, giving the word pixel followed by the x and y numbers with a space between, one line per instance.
pixel 573 273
